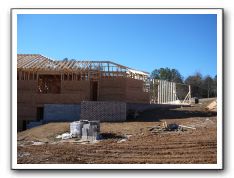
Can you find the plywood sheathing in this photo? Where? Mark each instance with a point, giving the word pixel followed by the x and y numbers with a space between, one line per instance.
pixel 123 89
pixel 60 98
pixel 112 90
pixel 28 99
pixel 26 112
pixel 75 87
pixel 72 92
pixel 135 93
pixel 26 108
pixel 24 85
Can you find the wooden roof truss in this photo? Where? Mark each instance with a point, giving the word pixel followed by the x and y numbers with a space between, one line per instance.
pixel 40 64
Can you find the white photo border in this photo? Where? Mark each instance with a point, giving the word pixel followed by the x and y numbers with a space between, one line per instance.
pixel 218 11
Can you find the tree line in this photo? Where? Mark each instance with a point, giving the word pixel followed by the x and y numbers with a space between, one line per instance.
pixel 201 86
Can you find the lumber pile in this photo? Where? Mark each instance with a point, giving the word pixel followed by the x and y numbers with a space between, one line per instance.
pixel 169 128
pixel 212 106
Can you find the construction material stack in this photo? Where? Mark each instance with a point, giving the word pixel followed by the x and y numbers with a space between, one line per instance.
pixel 86 130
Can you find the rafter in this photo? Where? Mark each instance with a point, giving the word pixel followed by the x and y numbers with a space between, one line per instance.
pixel 39 63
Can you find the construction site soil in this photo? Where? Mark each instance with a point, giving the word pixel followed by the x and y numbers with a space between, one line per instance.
pixel 129 142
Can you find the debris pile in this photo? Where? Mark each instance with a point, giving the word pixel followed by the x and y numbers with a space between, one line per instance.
pixel 169 128
pixel 23 154
pixel 65 136
pixel 125 138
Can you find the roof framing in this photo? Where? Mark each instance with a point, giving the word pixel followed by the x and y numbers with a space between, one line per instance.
pixel 38 63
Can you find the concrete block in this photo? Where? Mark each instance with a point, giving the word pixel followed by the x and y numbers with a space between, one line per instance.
pixel 91 131
pixel 103 111
pixel 61 112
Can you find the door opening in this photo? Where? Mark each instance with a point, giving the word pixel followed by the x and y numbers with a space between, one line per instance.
pixel 24 125
pixel 40 113
pixel 94 90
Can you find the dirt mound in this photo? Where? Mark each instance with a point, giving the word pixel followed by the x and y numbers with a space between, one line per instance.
pixel 43 133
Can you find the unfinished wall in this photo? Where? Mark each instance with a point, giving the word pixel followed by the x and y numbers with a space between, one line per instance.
pixel 26 105
pixel 74 87
pixel 59 98
pixel 74 92
pixel 28 98
pixel 112 89
pixel 26 108
pixel 135 93
pixel 122 89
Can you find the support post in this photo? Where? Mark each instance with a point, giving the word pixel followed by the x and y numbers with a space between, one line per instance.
pixel 160 92
pixel 163 91
pixel 174 92
pixel 189 94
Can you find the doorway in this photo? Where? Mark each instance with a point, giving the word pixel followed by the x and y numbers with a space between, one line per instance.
pixel 94 90
pixel 40 113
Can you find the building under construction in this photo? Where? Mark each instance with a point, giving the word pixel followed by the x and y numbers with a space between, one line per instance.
pixel 42 82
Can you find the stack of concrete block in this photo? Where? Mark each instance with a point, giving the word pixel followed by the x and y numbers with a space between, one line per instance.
pixel 86 130
pixel 76 128
pixel 112 111
pixel 91 131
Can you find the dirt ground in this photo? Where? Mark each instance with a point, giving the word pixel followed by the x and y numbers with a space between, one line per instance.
pixel 128 142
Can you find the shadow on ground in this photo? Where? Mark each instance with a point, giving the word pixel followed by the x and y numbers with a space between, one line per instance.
pixel 105 136
pixel 159 114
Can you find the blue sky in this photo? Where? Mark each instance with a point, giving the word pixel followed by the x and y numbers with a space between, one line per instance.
pixel 145 42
